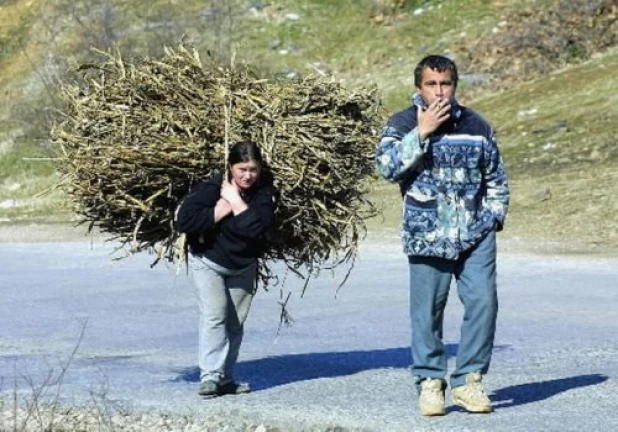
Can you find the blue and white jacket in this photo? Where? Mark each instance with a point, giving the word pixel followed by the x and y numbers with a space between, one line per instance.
pixel 454 186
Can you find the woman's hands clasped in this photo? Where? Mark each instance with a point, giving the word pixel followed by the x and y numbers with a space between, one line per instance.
pixel 230 194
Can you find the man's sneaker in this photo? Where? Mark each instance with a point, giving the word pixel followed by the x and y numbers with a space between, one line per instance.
pixel 233 388
pixel 208 389
pixel 471 395
pixel 431 398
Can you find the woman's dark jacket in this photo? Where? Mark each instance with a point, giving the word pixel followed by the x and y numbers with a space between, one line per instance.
pixel 235 242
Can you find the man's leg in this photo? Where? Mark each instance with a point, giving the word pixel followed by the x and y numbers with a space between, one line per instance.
pixel 430 279
pixel 476 277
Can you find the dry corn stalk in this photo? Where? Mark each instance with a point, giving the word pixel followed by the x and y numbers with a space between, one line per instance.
pixel 138 134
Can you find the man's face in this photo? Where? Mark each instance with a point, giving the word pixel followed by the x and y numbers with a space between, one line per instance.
pixel 436 85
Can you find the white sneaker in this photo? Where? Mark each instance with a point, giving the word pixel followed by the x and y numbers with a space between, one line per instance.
pixel 431 399
pixel 471 396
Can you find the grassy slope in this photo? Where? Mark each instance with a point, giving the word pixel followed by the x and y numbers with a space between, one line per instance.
pixel 575 163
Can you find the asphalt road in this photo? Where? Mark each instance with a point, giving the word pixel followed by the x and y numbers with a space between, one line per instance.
pixel 126 335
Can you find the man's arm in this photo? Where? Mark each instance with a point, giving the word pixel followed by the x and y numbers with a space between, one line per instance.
pixel 498 193
pixel 405 139
pixel 399 151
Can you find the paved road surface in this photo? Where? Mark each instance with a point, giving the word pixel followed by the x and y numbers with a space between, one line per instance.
pixel 343 363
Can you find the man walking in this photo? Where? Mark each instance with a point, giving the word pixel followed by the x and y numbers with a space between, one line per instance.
pixel 445 158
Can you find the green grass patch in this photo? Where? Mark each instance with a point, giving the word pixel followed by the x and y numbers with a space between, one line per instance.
pixel 344 40
pixel 27 186
pixel 558 137
pixel 563 121
pixel 29 198
pixel 25 159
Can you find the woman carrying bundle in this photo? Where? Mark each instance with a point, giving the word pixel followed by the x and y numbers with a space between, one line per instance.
pixel 226 221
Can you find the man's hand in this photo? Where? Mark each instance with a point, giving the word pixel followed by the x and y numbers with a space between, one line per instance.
pixel 431 118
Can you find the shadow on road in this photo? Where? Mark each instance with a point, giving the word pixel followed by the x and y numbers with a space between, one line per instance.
pixel 270 372
pixel 275 371
pixel 522 394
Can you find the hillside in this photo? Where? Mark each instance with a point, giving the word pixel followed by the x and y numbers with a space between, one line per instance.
pixel 541 71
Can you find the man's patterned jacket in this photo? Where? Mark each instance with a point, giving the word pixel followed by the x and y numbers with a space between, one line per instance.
pixel 454 186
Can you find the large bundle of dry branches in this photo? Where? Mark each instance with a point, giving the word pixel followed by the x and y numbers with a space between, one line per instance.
pixel 138 134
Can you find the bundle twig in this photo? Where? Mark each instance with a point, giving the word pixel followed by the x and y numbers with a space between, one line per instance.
pixel 138 134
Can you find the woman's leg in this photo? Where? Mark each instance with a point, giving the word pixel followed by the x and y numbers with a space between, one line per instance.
pixel 241 289
pixel 213 304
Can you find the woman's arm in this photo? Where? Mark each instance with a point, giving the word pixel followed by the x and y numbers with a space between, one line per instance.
pixel 230 193
pixel 196 213
pixel 222 209
pixel 258 216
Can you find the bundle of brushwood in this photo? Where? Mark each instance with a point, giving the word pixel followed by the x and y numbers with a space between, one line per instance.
pixel 136 135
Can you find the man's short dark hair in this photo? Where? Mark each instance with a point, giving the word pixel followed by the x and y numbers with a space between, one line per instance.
pixel 438 63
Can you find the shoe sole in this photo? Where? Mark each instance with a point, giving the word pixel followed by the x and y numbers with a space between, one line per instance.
pixel 223 391
pixel 234 390
pixel 433 413
pixel 237 392
pixel 472 409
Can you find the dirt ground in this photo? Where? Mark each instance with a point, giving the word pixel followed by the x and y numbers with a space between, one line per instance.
pixel 36 232
pixel 62 232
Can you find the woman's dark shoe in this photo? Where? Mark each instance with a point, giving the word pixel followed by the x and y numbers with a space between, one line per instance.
pixel 208 389
pixel 233 388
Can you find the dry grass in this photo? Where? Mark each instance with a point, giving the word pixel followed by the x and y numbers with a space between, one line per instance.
pixel 19 55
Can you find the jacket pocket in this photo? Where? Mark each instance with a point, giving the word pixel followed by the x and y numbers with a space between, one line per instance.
pixel 420 214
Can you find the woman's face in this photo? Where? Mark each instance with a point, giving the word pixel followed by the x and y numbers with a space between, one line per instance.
pixel 245 174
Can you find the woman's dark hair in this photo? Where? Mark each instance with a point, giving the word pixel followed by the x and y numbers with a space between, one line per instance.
pixel 438 63
pixel 245 151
